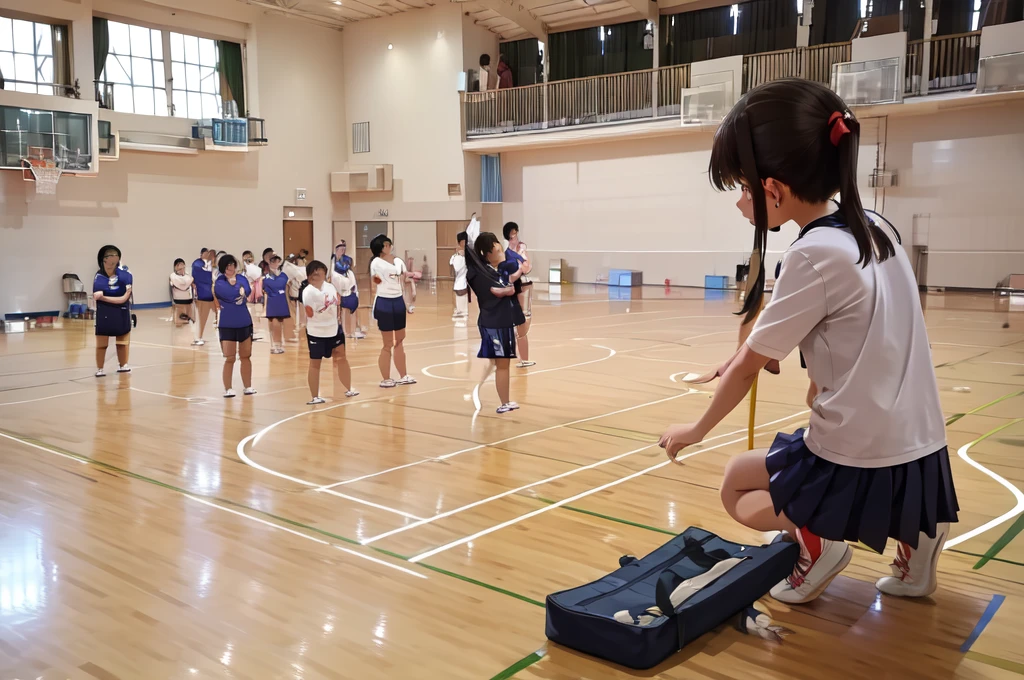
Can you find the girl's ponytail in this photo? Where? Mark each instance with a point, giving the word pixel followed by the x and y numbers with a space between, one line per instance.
pixel 745 149
pixel 844 133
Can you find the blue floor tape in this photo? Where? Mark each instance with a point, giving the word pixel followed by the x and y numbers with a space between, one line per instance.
pixel 990 611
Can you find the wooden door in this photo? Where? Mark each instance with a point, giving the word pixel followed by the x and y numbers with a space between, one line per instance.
pixel 298 234
pixel 447 242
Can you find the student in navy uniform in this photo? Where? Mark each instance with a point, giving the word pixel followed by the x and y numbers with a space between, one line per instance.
pixel 112 289
pixel 488 275
pixel 275 287
pixel 522 320
pixel 388 273
pixel 232 291
pixel 324 333
pixel 873 463
pixel 202 281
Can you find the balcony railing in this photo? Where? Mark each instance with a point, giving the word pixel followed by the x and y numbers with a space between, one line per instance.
pixel 811 63
pixel 953 63
pixel 596 99
pixel 656 93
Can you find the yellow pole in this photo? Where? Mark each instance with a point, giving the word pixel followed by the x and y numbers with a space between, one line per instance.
pixel 753 409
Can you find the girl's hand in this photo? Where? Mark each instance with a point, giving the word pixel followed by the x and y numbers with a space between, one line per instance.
pixel 677 438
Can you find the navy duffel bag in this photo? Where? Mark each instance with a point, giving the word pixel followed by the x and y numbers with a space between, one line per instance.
pixel 650 608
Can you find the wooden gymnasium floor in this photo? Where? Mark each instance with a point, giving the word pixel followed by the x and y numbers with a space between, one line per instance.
pixel 151 529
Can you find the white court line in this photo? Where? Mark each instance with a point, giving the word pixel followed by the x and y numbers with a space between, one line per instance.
pixel 551 479
pixel 55 396
pixel 307 537
pixel 1002 363
pixel 503 441
pixel 43 448
pixel 1010 514
pixel 164 394
pixel 558 504
pixel 611 353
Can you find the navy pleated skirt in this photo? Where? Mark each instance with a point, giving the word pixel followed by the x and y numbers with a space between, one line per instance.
pixel 870 505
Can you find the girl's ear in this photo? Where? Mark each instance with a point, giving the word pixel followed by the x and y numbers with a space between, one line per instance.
pixel 773 190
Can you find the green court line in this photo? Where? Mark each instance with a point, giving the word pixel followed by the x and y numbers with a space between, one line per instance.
pixel 1002 542
pixel 992 559
pixel 525 662
pixel 957 416
pixel 283 520
pixel 1005 664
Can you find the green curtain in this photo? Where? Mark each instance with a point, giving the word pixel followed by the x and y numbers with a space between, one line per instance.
pixel 231 67
pixel 61 54
pixel 100 44
pixel 523 57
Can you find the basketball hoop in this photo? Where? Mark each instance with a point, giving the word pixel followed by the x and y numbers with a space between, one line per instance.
pixel 41 166
pixel 47 174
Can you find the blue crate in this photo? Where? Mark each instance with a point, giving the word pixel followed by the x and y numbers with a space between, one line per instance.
pixel 625 277
pixel 716 282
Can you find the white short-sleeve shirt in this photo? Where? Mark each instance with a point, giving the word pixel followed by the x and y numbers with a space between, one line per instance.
pixel 458 263
pixel 345 283
pixel 862 333
pixel 324 303
pixel 390 275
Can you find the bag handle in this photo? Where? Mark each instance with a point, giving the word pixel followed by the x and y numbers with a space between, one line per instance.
pixel 669 578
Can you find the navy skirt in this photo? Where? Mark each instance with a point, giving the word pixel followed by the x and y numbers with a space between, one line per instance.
pixel 497 343
pixel 113 320
pixel 389 313
pixel 870 505
pixel 350 302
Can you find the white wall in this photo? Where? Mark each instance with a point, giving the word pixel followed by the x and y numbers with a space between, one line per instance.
pixel 646 204
pixel 477 40
pixel 643 204
pixel 1001 39
pixel 965 170
pixel 882 46
pixel 409 95
pixel 159 207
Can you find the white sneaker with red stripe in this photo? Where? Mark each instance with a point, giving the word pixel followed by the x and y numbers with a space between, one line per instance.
pixel 820 562
pixel 913 571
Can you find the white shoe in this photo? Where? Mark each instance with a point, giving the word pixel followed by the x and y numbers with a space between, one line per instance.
pixel 100 373
pixel 505 408
pixel 352 393
pixel 124 369
pixel 249 391
pixel 228 394
pixel 513 405
pixel 316 400
pixel 198 343
pixel 526 364
pixel 388 383
pixel 277 350
pixel 407 380
pixel 913 571
pixel 810 579
pixel 412 309
pixel 360 335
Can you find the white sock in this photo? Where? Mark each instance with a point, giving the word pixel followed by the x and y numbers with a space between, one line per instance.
pixel 462 304
pixel 195 329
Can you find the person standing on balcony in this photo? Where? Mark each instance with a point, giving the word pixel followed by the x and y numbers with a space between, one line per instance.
pixel 485 72
pixel 504 74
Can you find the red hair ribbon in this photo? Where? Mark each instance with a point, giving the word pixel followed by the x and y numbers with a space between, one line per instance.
pixel 837 127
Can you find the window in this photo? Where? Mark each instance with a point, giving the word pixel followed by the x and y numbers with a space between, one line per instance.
pixel 195 79
pixel 975 15
pixel 734 14
pixel 135 67
pixel 26 55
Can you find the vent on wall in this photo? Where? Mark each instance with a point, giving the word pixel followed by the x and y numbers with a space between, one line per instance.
pixel 361 137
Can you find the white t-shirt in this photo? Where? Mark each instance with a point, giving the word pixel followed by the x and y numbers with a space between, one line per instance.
pixel 862 334
pixel 181 286
pixel 390 275
pixel 253 272
pixel 345 284
pixel 296 275
pixel 324 302
pixel 458 263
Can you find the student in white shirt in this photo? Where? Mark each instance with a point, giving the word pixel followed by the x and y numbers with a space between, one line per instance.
pixel 324 334
pixel 461 287
pixel 388 274
pixel 181 294
pixel 296 275
pixel 873 462
pixel 343 278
